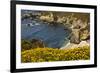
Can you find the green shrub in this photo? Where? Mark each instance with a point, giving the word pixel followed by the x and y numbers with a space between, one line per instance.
pixel 25 45
pixel 49 54
pixel 28 44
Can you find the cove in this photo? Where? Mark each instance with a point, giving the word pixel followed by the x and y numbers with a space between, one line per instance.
pixel 52 36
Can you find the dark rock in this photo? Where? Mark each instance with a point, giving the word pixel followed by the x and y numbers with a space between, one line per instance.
pixel 37 43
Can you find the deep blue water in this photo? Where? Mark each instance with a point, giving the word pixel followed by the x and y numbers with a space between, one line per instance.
pixel 52 36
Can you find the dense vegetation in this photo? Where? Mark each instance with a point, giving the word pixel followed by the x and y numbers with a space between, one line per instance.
pixel 28 44
pixel 49 54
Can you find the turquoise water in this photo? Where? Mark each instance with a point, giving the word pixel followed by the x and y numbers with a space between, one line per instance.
pixel 52 36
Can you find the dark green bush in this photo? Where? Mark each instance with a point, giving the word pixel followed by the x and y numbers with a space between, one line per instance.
pixel 34 43
pixel 26 45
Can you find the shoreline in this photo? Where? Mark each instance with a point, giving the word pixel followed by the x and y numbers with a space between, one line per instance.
pixel 73 45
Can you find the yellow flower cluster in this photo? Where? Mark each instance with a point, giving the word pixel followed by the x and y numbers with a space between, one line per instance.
pixel 50 54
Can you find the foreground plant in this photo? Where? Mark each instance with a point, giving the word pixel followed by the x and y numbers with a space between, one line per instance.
pixel 50 54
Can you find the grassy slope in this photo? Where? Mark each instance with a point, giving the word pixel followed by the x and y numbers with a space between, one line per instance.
pixel 49 54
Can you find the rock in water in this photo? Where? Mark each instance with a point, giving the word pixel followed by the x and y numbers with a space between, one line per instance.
pixel 75 38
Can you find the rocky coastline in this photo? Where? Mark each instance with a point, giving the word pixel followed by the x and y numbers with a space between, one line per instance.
pixel 78 24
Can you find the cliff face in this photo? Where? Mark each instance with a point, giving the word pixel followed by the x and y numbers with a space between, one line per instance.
pixel 64 17
pixel 75 36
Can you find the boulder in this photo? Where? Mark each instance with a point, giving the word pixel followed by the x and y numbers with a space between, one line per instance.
pixel 75 38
